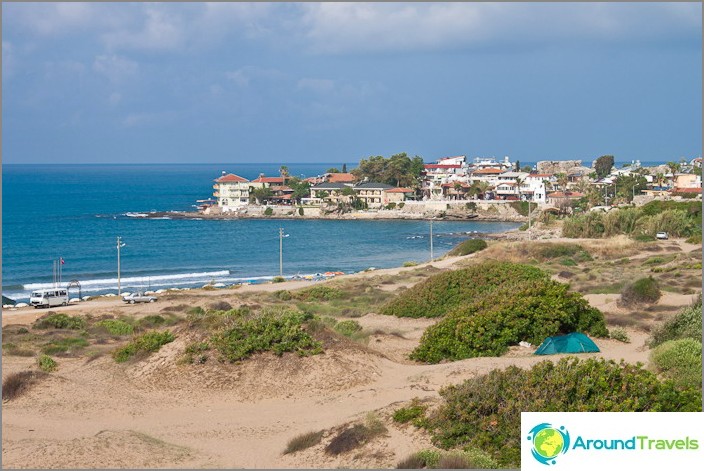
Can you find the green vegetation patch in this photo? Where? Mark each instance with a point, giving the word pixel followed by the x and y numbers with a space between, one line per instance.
pixel 59 321
pixel 437 295
pixel 116 327
pixel 470 458
pixel 642 291
pixel 528 312
pixel 278 332
pixel 46 363
pixel 356 436
pixel 143 345
pixel 467 247
pixel 318 293
pixel 681 361
pixel 485 412
pixel 66 345
pixel 414 412
pixel 686 324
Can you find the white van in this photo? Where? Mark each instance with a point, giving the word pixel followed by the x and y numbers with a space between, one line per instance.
pixel 49 298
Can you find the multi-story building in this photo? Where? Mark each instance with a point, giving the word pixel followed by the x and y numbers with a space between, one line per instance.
pixel 231 192
pixel 374 194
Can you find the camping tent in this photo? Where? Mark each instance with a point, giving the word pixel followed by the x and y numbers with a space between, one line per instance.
pixel 576 342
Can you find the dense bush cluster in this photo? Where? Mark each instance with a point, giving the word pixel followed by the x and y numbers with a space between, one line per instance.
pixel 116 327
pixel 468 247
pixel 59 321
pixel 680 219
pixel 485 412
pixel 686 324
pixel 681 361
pixel 528 311
pixel 641 291
pixel 144 344
pixel 273 331
pixel 439 294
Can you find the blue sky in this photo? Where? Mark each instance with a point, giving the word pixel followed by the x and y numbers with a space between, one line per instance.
pixel 335 82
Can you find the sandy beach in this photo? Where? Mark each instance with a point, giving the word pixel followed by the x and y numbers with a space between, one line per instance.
pixel 157 413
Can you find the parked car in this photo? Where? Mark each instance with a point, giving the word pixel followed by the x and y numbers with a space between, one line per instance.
pixel 661 235
pixel 138 298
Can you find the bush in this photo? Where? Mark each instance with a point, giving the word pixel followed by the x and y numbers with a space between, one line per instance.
pixel 283 295
pixel 46 363
pixel 356 436
pixel 16 384
pixel 303 441
pixel 471 206
pixel 347 328
pixel 681 361
pixel 149 322
pixel 144 344
pixel 485 412
pixel 64 345
pixel 620 335
pixel 116 327
pixel 220 306
pixel 552 251
pixel 468 247
pixel 401 205
pixel 410 263
pixel 59 321
pixel 278 279
pixel 300 211
pixel 405 414
pixel 695 239
pixel 268 212
pixel 642 291
pixel 438 294
pixel 686 324
pixel 521 207
pixel 528 312
pixel 278 332
pixel 318 293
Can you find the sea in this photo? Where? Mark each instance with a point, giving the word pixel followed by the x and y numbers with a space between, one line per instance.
pixel 75 213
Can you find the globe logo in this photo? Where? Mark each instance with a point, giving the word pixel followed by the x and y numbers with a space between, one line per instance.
pixel 548 442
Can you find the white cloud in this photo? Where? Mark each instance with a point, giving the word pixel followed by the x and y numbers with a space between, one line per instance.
pixel 149 119
pixel 162 30
pixel 333 28
pixel 115 68
pixel 316 85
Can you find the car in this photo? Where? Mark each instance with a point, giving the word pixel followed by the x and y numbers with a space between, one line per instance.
pixel 661 235
pixel 138 297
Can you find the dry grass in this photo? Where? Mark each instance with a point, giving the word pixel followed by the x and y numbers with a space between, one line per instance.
pixel 16 384
pixel 303 441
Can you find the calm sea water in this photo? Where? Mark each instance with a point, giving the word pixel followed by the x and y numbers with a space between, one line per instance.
pixel 77 211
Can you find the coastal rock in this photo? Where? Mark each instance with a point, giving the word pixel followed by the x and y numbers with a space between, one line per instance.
pixel 21 305
pixel 74 300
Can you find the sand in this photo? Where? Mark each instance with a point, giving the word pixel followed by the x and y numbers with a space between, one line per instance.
pixel 156 413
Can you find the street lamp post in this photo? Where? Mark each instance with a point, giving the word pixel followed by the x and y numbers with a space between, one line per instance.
pixel 119 246
pixel 431 240
pixel 281 251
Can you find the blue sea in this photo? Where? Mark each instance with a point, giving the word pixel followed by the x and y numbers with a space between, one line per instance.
pixel 76 212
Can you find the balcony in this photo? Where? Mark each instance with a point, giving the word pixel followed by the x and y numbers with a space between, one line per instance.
pixel 216 194
pixel 216 186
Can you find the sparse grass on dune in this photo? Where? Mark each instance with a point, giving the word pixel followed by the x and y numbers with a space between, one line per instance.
pixel 303 441
pixel 16 384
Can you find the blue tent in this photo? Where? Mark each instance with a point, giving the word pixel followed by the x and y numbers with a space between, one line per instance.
pixel 576 342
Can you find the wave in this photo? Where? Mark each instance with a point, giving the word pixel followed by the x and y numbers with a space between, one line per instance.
pixel 136 215
pixel 109 283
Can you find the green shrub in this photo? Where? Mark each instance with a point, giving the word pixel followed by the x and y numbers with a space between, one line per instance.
pixel 401 205
pixel 644 238
pixel 410 263
pixel 273 331
pixel 116 327
pixel 414 411
pixel 268 212
pixel 283 295
pixel 568 262
pixel 587 225
pixel 47 364
pixel 64 345
pixel 551 251
pixel 300 211
pixel 695 239
pixel 278 279
pixel 681 361
pixel 356 436
pixel 642 291
pixel 468 247
pixel 347 328
pixel 60 321
pixel 144 344
pixel 440 293
pixel 471 206
pixel 303 441
pixel 485 412
pixel 686 324
pixel 619 334
pixel 530 312
pixel 521 207
pixel 318 293
pixel 523 227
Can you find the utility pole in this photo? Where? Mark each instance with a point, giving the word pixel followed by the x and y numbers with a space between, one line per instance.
pixel 281 251
pixel 530 234
pixel 431 240
pixel 119 246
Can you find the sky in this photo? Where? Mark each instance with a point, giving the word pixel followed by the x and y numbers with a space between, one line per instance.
pixel 337 82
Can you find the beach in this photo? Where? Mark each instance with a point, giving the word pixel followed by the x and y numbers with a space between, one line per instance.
pixel 95 413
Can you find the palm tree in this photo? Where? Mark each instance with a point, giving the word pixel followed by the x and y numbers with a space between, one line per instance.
pixel 659 177
pixel 283 171
pixel 562 180
pixel 519 182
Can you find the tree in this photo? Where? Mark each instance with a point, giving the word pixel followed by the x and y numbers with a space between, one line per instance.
pixel 517 167
pixel 628 185
pixel 519 182
pixel 603 165
pixel 348 191
pixel 283 170
pixel 674 168
pixel 332 170
pixel 300 189
pixel 260 195
pixel 562 180
pixel 399 169
pixel 527 169
pixel 344 168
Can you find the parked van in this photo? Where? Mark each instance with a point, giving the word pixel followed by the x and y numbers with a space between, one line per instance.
pixel 49 298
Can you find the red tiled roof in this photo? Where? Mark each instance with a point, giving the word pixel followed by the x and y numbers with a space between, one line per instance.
pixel 431 166
pixel 488 170
pixel 400 190
pixel 231 177
pixel 341 178
pixel 687 190
pixel 268 180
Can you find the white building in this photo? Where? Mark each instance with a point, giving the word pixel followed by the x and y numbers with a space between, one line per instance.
pixel 231 192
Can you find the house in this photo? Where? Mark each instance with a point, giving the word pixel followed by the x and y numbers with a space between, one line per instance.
pixel 231 192
pixel 282 194
pixel 489 175
pixel 398 195
pixel 373 194
pixel 340 178
pixel 506 190
pixel 327 193
pixel 455 190
pixel 264 182
pixel 687 180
